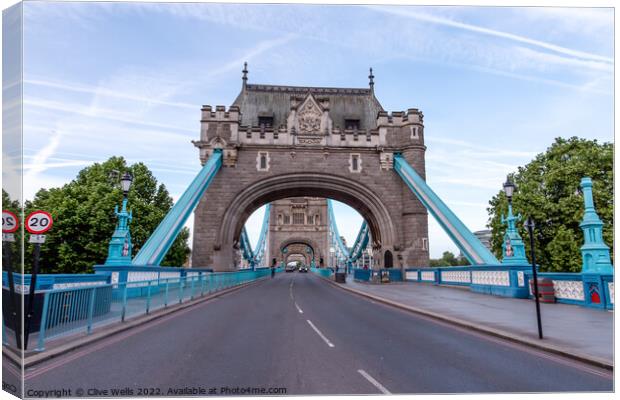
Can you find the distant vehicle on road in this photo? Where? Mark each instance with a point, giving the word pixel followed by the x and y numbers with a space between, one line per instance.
pixel 290 268
pixel 303 268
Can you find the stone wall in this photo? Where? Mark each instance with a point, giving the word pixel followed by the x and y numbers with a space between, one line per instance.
pixel 264 165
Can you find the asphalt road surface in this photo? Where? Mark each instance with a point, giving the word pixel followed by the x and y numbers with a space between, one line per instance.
pixel 296 334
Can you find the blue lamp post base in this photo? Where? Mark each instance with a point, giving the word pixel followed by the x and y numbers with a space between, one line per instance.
pixel 119 250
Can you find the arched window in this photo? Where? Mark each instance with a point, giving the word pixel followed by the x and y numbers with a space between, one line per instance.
pixel 389 262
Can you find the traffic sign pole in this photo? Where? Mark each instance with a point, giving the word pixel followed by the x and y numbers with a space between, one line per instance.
pixel 37 223
pixel 33 285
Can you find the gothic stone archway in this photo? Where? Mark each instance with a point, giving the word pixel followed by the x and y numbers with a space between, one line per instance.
pixel 297 245
pixel 285 141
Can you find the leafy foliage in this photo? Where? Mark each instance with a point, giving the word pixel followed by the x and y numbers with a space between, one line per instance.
pixel 13 248
pixel 448 259
pixel 547 191
pixel 84 219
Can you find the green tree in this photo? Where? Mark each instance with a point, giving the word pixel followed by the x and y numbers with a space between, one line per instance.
pixel 547 190
pixel 84 220
pixel 448 259
pixel 14 207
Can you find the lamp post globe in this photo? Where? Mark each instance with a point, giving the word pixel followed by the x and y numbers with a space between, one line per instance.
pixel 126 181
pixel 509 188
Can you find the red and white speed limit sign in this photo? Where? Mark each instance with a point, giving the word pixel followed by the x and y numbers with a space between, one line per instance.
pixel 38 222
pixel 10 223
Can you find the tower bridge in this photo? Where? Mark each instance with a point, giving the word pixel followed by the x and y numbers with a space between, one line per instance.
pixel 284 141
pixel 276 142
pixel 295 150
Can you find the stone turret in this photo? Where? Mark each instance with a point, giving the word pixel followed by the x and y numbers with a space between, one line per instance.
pixel 218 129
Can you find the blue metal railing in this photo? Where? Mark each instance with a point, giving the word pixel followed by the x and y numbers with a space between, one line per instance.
pixel 74 310
pixel 324 272
pixel 364 275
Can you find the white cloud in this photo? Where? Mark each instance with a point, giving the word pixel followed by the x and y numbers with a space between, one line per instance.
pixel 39 161
pixel 102 91
pixel 426 17
pixel 98 113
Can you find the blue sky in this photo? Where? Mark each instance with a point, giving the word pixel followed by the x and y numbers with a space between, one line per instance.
pixel 496 85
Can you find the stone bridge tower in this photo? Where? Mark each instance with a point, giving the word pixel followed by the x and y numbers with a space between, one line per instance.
pixel 288 141
pixel 299 226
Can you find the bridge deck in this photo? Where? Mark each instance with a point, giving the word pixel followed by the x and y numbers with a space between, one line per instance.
pixel 299 333
pixel 584 330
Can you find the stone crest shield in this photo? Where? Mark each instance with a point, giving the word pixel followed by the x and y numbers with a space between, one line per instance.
pixel 309 118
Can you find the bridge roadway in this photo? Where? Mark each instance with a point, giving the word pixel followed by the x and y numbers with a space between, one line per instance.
pixel 300 333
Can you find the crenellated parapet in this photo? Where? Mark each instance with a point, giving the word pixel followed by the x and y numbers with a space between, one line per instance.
pixel 219 129
pixel 401 128
pixel 323 142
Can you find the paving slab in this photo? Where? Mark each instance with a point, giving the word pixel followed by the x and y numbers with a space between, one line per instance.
pixel 585 331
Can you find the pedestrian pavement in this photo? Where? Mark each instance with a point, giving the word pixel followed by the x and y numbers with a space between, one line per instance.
pixel 576 329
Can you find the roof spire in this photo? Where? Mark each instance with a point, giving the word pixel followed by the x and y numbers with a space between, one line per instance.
pixel 245 73
pixel 371 82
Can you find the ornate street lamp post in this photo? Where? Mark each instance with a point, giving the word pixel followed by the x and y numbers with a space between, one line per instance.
pixel 529 224
pixel 119 249
pixel 513 249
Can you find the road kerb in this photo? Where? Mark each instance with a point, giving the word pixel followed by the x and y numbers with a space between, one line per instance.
pixel 592 360
pixel 115 328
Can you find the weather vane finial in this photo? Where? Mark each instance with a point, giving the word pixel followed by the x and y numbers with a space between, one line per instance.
pixel 371 78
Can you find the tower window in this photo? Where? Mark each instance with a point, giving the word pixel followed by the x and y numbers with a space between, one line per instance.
pixel 355 163
pixel 424 244
pixel 298 218
pixel 287 219
pixel 352 124
pixel 310 220
pixel 414 132
pixel 266 122
pixel 262 161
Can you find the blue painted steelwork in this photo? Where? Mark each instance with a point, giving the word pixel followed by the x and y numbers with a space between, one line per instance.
pixel 259 253
pixel 54 281
pixel 324 272
pixel 513 249
pixel 246 247
pixel 594 252
pixel 361 274
pixel 499 279
pixel 255 257
pixel 467 242
pixel 75 310
pixel 160 241
pixel 119 249
pixel 597 289
pixel 360 244
pixel 341 252
pixel 364 275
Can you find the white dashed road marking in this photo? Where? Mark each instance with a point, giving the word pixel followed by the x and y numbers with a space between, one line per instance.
pixel 373 381
pixel 330 344
pixel 298 309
